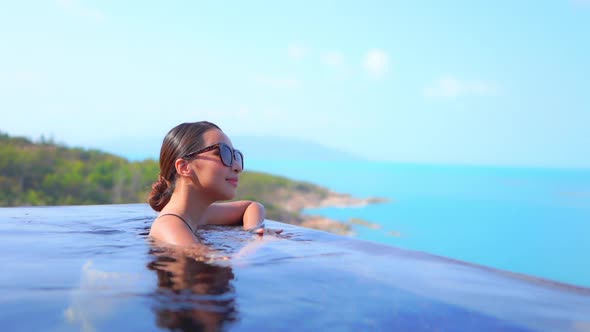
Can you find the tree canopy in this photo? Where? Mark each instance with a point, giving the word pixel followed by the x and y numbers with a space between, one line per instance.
pixel 46 173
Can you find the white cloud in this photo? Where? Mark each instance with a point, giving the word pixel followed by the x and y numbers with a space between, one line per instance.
pixel 582 3
pixel 26 77
pixel 77 8
pixel 451 87
pixel 20 78
pixel 277 82
pixel 88 309
pixel 296 51
pixel 333 59
pixel 376 62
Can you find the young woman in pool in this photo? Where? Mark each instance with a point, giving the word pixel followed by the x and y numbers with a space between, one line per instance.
pixel 198 168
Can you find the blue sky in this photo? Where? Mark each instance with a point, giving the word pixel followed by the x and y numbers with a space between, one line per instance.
pixel 469 82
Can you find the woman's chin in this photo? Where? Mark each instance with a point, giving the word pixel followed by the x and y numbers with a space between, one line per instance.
pixel 228 194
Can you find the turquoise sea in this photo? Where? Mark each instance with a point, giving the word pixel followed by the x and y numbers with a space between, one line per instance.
pixel 526 220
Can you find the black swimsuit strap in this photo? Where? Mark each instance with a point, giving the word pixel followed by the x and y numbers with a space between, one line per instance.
pixel 179 217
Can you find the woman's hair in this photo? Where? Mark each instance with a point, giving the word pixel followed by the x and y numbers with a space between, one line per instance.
pixel 181 140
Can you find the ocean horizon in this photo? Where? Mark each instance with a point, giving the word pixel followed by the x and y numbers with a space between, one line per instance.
pixel 525 220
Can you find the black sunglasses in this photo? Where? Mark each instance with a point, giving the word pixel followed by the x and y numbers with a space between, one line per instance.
pixel 226 153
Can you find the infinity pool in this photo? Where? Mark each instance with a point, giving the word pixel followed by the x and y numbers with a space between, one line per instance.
pixel 92 268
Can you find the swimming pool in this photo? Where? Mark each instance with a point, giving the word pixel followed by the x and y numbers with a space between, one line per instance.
pixel 92 268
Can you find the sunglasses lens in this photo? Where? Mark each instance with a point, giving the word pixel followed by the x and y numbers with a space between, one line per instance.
pixel 226 154
pixel 239 158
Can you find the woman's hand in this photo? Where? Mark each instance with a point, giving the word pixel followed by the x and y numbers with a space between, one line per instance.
pixel 254 220
pixel 250 213
pixel 261 230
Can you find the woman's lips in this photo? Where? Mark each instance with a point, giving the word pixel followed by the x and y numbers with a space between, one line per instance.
pixel 233 182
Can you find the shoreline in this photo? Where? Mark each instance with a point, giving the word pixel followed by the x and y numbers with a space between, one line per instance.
pixel 332 199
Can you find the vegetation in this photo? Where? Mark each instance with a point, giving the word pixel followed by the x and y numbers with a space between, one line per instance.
pixel 46 173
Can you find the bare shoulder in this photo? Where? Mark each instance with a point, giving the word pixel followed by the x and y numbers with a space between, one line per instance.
pixel 173 230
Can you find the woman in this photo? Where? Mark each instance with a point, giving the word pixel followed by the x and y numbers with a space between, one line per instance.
pixel 198 168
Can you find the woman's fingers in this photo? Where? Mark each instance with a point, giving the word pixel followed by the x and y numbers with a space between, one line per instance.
pixel 262 231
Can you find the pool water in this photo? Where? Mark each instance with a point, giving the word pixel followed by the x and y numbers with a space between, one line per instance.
pixel 93 268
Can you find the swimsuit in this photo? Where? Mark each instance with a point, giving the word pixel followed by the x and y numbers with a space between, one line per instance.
pixel 179 217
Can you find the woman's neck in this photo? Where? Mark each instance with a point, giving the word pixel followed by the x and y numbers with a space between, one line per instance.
pixel 188 203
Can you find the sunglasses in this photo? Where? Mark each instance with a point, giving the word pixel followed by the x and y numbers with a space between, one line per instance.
pixel 226 153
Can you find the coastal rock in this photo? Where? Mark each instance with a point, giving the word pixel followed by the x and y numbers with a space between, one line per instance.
pixel 286 199
pixel 328 225
pixel 299 201
pixel 365 223
pixel 317 199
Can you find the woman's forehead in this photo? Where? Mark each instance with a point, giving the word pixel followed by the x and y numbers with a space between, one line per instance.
pixel 214 136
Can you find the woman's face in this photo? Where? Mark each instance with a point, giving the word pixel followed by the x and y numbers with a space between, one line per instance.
pixel 218 181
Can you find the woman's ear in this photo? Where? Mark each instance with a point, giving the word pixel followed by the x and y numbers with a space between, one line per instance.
pixel 183 167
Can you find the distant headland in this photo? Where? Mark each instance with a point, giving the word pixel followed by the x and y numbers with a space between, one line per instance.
pixel 47 173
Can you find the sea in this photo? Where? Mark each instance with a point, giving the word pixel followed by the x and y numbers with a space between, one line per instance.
pixel 454 249
pixel 533 221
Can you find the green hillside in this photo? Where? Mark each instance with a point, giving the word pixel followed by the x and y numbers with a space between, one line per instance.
pixel 46 173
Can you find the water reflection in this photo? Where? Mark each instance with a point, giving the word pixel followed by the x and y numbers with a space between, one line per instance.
pixel 192 295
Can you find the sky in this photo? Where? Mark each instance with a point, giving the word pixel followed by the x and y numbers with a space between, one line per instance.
pixel 462 82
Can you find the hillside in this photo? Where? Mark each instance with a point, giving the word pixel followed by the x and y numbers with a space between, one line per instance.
pixel 46 173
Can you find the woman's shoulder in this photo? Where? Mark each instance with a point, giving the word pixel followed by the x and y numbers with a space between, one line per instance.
pixel 169 224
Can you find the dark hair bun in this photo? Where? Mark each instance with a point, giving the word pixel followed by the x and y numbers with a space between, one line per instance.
pixel 160 194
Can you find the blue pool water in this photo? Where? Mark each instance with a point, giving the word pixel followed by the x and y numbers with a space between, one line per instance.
pixel 92 268
pixel 533 221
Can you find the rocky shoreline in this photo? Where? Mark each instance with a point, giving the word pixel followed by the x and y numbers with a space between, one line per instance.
pixel 332 199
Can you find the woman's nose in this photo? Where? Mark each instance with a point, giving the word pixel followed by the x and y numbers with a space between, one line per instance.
pixel 236 167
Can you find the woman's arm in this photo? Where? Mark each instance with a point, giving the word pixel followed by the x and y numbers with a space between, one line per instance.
pixel 232 213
